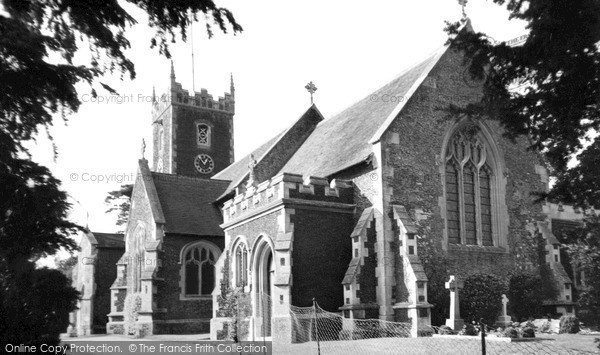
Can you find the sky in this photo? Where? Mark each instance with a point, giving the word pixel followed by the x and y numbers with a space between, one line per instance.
pixel 347 48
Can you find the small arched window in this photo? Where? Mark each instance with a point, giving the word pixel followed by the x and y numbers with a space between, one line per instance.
pixel 160 141
pixel 198 269
pixel 203 135
pixel 468 185
pixel 136 257
pixel 241 265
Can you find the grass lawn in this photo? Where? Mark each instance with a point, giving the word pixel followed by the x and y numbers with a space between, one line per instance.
pixel 573 341
pixel 550 344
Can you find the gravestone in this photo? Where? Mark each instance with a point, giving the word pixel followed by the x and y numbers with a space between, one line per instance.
pixel 504 319
pixel 454 321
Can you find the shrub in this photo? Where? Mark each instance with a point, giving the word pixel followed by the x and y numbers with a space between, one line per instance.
pixel 445 330
pixel 481 297
pixel 569 325
pixel 469 329
pixel 436 264
pixel 425 332
pixel 525 295
pixel 511 332
pixel 34 305
pixel 589 316
pixel 133 304
pixel 545 328
pixel 528 331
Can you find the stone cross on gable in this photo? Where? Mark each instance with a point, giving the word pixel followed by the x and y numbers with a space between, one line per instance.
pixel 454 321
pixel 143 148
pixel 311 88
pixel 504 302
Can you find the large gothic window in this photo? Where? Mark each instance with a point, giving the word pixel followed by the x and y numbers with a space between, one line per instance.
pixel 241 265
pixel 198 269
pixel 203 132
pixel 468 177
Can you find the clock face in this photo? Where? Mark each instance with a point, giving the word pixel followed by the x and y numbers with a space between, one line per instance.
pixel 204 163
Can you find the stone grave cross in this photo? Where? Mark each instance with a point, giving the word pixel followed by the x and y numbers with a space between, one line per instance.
pixel 454 321
pixel 504 319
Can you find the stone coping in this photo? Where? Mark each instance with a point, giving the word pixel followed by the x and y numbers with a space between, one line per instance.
pixel 489 338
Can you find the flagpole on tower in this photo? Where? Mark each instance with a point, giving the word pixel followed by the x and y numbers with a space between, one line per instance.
pixel 192 40
pixel 463 3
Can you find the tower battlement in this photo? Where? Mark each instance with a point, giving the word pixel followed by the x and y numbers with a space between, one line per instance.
pixel 201 99
pixel 176 94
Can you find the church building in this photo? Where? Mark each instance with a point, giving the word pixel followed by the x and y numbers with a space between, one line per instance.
pixel 332 209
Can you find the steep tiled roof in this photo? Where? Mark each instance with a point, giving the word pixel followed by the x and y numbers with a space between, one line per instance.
pixel 560 273
pixel 236 171
pixel 546 233
pixel 187 203
pixel 401 213
pixel 417 267
pixel 343 140
pixel 109 240
pixel 352 271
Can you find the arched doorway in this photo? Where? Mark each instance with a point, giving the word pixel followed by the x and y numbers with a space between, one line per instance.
pixel 264 271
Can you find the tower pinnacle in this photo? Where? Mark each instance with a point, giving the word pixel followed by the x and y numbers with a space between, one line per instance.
pixel 172 71
pixel 232 87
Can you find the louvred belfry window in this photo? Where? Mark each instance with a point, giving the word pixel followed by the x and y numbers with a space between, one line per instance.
pixel 468 187
pixel 203 133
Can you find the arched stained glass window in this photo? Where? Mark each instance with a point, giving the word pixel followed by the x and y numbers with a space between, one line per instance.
pixel 241 265
pixel 468 185
pixel 199 271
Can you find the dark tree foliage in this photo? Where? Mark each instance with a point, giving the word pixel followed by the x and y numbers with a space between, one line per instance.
pixel 32 88
pixel 558 71
pixel 66 266
pixel 526 296
pixel 120 200
pixel 481 297
pixel 34 305
pixel 38 42
pixel 33 209
pixel 585 256
pixel 436 265
pixel 580 185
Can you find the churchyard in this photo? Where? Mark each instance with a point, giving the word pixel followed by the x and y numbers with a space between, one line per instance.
pixel 320 332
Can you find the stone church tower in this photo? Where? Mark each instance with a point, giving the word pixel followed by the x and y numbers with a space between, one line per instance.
pixel 192 133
